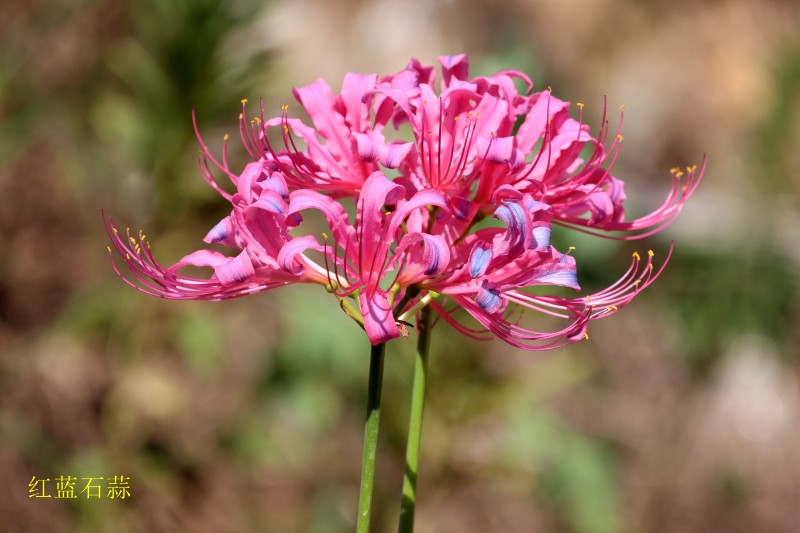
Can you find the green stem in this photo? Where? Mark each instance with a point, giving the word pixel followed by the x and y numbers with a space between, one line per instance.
pixel 407 506
pixel 370 437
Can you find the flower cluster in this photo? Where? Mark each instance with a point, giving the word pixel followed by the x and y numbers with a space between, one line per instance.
pixel 480 173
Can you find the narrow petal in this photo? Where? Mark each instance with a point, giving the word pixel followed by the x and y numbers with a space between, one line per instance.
pixel 235 270
pixel 379 322
pixel 488 298
pixel 479 258
pixel 219 233
pixel 454 67
pixel 496 149
pixel 354 88
pixel 271 201
pixel 392 155
pixel 541 236
pixel 368 145
pixel 296 246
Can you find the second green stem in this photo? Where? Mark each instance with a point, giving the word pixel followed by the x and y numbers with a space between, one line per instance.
pixel 408 503
pixel 370 437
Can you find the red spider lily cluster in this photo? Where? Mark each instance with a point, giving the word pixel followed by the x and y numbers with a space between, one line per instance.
pixel 477 148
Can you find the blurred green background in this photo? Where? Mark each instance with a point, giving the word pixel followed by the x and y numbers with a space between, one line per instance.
pixel 681 414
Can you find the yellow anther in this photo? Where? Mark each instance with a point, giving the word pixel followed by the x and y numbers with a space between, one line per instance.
pixel 549 88
pixel 127 257
pixel 571 248
pixel 324 235
pixel 286 128
pixel 620 137
pixel 579 104
pixel 679 174
pixel 226 137
pixel 586 336
pixel 612 308
pixel 650 266
pixel 133 241
pixel 683 189
pixel 115 230
pixel 244 100
pixel 455 118
pixel 469 113
pixel 108 248
pixel 241 116
pixel 588 299
pixel 127 230
pixel 622 107
pixel 650 253
pixel 637 256
pixel 637 282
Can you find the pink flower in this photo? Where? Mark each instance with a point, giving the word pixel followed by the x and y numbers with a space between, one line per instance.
pixel 257 228
pixel 353 146
pixel 491 270
pixel 480 148
pixel 470 138
pixel 386 244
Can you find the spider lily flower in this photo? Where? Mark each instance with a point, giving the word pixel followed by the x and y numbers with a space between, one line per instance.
pixel 492 269
pixel 342 149
pixel 268 256
pixel 477 135
pixel 385 250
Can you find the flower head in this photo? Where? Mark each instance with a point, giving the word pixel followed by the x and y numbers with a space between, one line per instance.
pixel 479 148
pixel 470 138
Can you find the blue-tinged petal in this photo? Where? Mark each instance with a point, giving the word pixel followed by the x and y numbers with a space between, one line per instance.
pixel 462 207
pixel 488 298
pixel 391 155
pixel 562 273
pixel 479 258
pixel 512 214
pixel 271 201
pixel 235 270
pixel 435 255
pixel 276 182
pixel 541 237
pixel 220 232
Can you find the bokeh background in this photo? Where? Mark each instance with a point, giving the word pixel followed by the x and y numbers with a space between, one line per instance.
pixel 681 414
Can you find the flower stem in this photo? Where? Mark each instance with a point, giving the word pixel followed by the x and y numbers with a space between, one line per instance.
pixel 407 506
pixel 370 437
